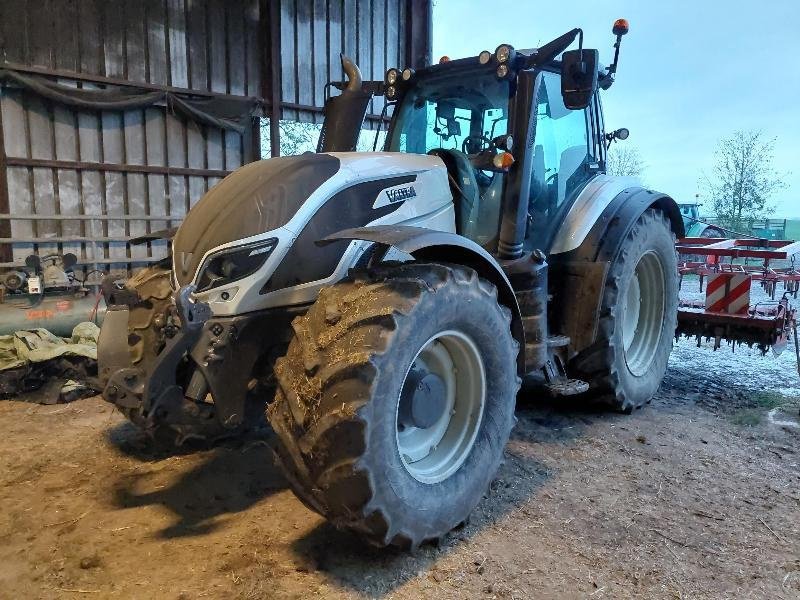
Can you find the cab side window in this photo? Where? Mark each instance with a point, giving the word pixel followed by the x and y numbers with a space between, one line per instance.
pixel 561 155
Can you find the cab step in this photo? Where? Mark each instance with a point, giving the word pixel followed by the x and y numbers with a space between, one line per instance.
pixel 563 386
pixel 558 341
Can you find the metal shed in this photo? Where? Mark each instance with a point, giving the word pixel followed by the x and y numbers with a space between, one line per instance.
pixel 81 179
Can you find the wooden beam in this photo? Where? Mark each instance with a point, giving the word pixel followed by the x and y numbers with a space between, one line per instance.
pixel 76 165
pixel 320 109
pixel 5 225
pixel 270 23
pixel 419 31
pixel 122 260
pixel 81 217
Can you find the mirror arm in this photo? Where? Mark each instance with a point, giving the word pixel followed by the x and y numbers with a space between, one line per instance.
pixel 608 78
pixel 550 50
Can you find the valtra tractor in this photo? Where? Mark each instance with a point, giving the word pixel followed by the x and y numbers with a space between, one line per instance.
pixel 385 306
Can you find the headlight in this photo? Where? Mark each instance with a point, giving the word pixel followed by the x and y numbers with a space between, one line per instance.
pixel 484 57
pixel 232 264
pixel 391 76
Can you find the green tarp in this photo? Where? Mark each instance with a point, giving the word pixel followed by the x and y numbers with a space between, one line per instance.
pixel 39 345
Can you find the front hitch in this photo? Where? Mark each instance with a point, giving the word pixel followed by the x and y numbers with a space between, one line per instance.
pixel 157 391
pixel 161 389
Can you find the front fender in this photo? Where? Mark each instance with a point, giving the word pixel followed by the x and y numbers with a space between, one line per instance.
pixel 441 246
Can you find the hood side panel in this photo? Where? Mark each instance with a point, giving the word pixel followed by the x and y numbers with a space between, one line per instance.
pixel 258 197
pixel 351 207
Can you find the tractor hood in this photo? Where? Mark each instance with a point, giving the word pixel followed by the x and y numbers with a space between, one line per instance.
pixel 258 197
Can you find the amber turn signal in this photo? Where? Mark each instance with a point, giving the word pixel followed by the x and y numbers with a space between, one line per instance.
pixel 503 160
pixel 444 59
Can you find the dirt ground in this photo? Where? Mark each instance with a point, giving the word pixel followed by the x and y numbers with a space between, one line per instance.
pixel 695 496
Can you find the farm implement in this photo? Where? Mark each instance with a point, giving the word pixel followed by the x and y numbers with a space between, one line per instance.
pixel 728 311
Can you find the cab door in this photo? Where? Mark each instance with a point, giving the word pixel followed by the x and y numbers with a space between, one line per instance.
pixel 563 160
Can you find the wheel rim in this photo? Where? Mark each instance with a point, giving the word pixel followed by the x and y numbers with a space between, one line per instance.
pixel 432 454
pixel 643 315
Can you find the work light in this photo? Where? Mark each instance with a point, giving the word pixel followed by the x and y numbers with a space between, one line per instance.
pixel 504 53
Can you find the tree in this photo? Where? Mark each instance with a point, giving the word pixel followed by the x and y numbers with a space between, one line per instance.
pixel 624 161
pixel 743 179
pixel 296 137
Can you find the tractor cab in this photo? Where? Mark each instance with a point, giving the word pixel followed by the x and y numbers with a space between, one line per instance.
pixel 462 113
pixel 520 132
pixel 459 115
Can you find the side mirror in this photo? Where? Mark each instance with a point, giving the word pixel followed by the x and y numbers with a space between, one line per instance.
pixel 578 77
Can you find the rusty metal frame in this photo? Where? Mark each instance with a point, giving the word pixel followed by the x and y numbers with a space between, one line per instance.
pixel 739 248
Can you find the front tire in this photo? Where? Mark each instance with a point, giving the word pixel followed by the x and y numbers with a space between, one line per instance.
pixel 356 443
pixel 638 316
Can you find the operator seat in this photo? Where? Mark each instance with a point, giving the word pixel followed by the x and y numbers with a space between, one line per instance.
pixel 464 186
pixel 538 199
pixel 570 170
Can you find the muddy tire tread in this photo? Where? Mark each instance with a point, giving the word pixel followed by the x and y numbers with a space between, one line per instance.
pixel 321 412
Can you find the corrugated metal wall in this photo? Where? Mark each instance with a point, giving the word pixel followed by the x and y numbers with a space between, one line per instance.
pixel 307 37
pixel 126 168
pixel 313 34
pixel 133 172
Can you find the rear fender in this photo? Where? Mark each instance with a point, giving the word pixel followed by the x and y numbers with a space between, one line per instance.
pixel 440 246
pixel 578 276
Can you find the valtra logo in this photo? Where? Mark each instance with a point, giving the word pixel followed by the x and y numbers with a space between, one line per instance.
pixel 400 194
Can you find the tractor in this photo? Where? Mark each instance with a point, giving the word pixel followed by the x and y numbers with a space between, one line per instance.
pixel 695 225
pixel 386 306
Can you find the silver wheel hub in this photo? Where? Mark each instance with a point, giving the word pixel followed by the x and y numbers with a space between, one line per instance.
pixel 440 406
pixel 643 314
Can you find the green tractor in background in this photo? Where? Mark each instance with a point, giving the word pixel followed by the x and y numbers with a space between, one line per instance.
pixel 695 226
pixel 709 227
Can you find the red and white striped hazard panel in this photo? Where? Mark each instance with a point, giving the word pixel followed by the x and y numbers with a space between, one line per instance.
pixel 728 293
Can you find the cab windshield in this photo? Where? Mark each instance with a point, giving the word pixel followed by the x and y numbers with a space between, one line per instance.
pixel 455 116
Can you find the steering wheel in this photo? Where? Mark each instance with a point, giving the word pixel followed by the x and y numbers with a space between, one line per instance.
pixel 485 143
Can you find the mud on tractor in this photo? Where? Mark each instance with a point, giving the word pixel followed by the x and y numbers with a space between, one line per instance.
pixel 386 306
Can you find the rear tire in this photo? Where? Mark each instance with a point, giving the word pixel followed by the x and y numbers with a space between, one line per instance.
pixel 638 316
pixel 337 411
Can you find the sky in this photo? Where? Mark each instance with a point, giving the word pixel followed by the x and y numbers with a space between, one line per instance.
pixel 690 73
